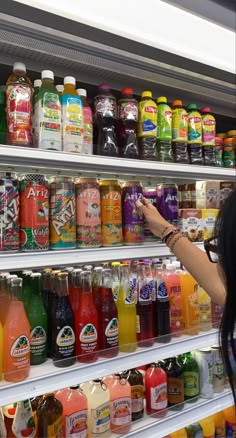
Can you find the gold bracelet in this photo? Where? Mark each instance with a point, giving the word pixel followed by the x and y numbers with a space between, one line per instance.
pixel 173 241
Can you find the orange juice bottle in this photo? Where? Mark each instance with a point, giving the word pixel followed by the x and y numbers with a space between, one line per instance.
pixel 181 433
pixel 189 290
pixel 219 421
pixel 208 427
pixel 230 421
pixel 172 279
pixel 16 335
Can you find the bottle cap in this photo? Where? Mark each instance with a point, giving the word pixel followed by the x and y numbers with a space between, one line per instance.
pixel 219 140
pixel 69 80
pixel 229 141
pixel 19 66
pixel 176 264
pixel 221 134
pixel 60 88
pixel 37 83
pixel 177 103
pixel 82 92
pixel 205 109
pixel 104 87
pixel 146 94
pixel 192 106
pixel 162 99
pixel 126 91
pixel 170 267
pixel 47 74
pixel 231 133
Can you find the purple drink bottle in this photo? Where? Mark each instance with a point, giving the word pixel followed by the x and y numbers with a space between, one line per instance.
pixel 144 308
pixel 127 124
pixel 133 233
pixel 105 114
pixel 167 202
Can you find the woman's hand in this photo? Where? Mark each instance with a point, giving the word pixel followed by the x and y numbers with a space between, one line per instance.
pixel 156 223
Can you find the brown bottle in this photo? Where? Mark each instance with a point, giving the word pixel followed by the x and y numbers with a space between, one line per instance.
pixel 175 383
pixel 49 417
pixel 135 379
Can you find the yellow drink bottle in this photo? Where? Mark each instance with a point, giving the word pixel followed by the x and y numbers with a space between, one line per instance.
pixel 189 288
pixel 219 421
pixel 126 312
pixel 208 427
pixel 204 301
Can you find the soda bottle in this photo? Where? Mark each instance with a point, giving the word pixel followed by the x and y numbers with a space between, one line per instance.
pixel 105 117
pixel 144 309
pixel 98 397
pixel 126 312
pixel 5 298
pixel 190 306
pixel 52 301
pixel 135 379
pixel 172 279
pixel 49 417
pixel 191 374
pixel 63 325
pixel 97 286
pixel 46 278
pixel 86 322
pixel 208 137
pixel 164 130
pixel 108 318
pixel 127 124
pixel 219 151
pixel 194 135
pixel 156 391
pixel 87 122
pixel 147 127
pixel 75 289
pixel 23 423
pixel 120 404
pixel 75 412
pixel 161 309
pixel 37 317
pixel 179 132
pixel 175 383
pixel 115 280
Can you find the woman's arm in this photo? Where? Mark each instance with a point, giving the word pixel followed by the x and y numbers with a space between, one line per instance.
pixel 193 258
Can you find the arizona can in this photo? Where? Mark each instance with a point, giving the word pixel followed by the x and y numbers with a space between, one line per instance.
pixel 204 359
pixel 88 209
pixel 62 213
pixel 9 212
pixel 151 195
pixel 167 202
pixel 133 221
pixel 111 213
pixel 34 231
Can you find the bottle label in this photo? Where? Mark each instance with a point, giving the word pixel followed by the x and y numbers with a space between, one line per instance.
pixel 147 119
pixel 9 410
pixel 9 215
pixel 76 424
pixel 115 289
pixel 88 338
pixel 191 384
pixel 20 348
pixel 111 332
pixel 105 106
pixel 137 398
pixel 146 290
pixel 55 430
pixel 88 211
pixel 130 291
pixel 175 308
pixel 62 216
pixel 34 232
pixel 23 424
pixel 38 341
pixel 47 122
pixel 208 130
pixel 18 109
pixel 128 111
pixel 88 130
pixel 230 429
pixel 121 411
pixel 159 397
pixel 205 312
pixel 111 217
pixel 72 123
pixel 164 122
pixel 66 341
pixel 100 420
pixel 175 389
pixel 161 290
pixel 194 127
pixel 179 125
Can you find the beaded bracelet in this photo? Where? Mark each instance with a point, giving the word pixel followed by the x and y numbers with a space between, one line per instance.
pixel 162 236
pixel 170 235
pixel 174 240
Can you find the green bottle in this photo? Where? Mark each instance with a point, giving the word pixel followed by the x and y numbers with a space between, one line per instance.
pixel 191 375
pixel 26 277
pixel 37 317
pixel 164 130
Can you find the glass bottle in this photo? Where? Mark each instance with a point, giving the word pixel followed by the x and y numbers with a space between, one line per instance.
pixel 120 405
pixel 49 417
pixel 75 412
pixel 156 391
pixel 135 379
pixel 175 384
pixel 144 310
pixel 98 397
pixel 162 309
pixel 23 423
pixel 191 377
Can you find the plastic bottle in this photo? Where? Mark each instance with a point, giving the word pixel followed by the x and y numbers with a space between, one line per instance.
pixel 219 151
pixel 37 317
pixel 135 379
pixel 179 132
pixel 229 152
pixel 144 309
pixel 60 89
pixel 105 114
pixel 47 114
pixel 162 309
pixel 98 397
pixel 194 135
pixel 208 137
pixel 175 384
pixel 3 121
pixel 164 130
pixel 120 404
pixel 63 325
pixel 72 117
pixel 49 417
pixel 86 322
pixel 87 121
pixel 127 124
pixel 172 279
pixel 16 337
pixel 208 427
pixel 191 377
pixel 230 421
pixel 126 312
pixel 23 423
pixel 219 421
pixel 147 127
pixel 190 306
pixel 181 433
pixel 156 391
pixel 204 302
pixel 18 107
pixel 75 412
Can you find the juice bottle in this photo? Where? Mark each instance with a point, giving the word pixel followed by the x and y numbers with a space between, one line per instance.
pixel 135 379
pixel 18 107
pixel 97 286
pixel 37 317
pixel 63 325
pixel 162 309
pixel 208 137
pixel 181 433
pixel 120 405
pixel 86 322
pixel 144 309
pixel 156 391
pixel 3 430
pixel 9 414
pixel 172 280
pixel 108 318
pixel 179 132
pixel 87 122
pixel 230 422
pixel 219 421
pixel 208 427
pixel 191 374
pixel 49 417
pixel 127 124
pixel 147 127
pixel 16 337
pixel 23 423
pixel 47 114
pixel 204 303
pixel 189 291
pixel 34 405
pixel 75 412
pixel 71 117
pixel 98 397
pixel 126 312
pixel 194 431
pixel 164 130
pixel 105 115
pixel 194 134
pixel 175 384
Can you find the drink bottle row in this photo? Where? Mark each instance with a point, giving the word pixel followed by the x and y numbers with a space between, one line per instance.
pixel 60 118
pixel 111 404
pixel 98 312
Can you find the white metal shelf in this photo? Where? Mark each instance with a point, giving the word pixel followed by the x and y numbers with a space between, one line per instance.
pixel 23 260
pixel 46 377
pixel 52 162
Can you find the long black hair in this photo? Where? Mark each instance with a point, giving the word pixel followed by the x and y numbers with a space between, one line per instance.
pixel 226 231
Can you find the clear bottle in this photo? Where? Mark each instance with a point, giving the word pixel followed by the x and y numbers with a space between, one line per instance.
pixel 127 124
pixel 147 127
pixel 115 280
pixel 98 397
pixel 50 417
pixel 105 118
pixel 120 405
pixel 18 107
pixel 144 309
pixel 72 117
pixel 88 122
pixel 164 131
